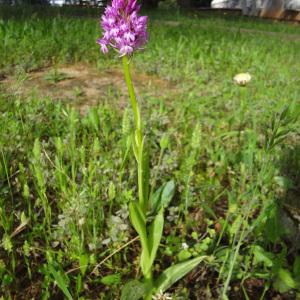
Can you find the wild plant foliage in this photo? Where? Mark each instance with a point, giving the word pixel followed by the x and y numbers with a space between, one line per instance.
pixel 223 163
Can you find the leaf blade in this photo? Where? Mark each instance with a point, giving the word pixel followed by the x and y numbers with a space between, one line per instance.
pixel 175 273
pixel 138 221
pixel 163 196
pixel 155 234
pixel 61 281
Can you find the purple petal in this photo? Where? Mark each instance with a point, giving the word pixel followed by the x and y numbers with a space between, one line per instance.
pixel 125 49
pixel 104 48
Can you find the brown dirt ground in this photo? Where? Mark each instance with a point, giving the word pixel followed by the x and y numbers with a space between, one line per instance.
pixel 83 86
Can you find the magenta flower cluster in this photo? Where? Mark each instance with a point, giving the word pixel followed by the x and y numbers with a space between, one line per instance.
pixel 123 29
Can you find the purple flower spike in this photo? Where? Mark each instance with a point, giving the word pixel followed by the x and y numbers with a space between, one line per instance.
pixel 123 29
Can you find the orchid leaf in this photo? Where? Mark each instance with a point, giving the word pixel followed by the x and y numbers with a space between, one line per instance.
pixel 138 221
pixel 163 196
pixel 167 193
pixel 145 173
pixel 175 273
pixel 135 148
pixel 155 198
pixel 155 234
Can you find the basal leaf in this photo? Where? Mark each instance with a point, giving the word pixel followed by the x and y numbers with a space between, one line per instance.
pixel 138 221
pixel 156 198
pixel 146 174
pixel 163 196
pixel 155 234
pixel 176 272
pixel 167 193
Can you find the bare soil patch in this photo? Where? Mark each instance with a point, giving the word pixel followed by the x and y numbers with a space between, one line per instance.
pixel 83 86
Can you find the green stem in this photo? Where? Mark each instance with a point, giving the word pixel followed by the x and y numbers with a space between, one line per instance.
pixel 138 131
pixel 149 282
pixel 134 104
pixel 139 151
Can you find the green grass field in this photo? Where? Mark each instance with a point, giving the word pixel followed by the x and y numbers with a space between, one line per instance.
pixel 67 176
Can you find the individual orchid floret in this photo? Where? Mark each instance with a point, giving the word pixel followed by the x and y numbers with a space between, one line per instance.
pixel 123 29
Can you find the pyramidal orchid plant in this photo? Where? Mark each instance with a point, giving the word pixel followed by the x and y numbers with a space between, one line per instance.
pixel 125 32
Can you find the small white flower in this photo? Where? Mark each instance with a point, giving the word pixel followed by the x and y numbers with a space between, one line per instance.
pixel 91 246
pixel 55 244
pixel 184 246
pixel 123 227
pixel 162 296
pixel 106 241
pixel 81 221
pixel 242 78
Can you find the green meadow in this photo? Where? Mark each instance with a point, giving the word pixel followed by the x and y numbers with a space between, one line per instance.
pixel 67 172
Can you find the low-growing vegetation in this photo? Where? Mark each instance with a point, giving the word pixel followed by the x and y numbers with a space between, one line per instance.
pixel 67 175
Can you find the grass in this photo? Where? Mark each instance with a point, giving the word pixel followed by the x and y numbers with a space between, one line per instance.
pixel 66 179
